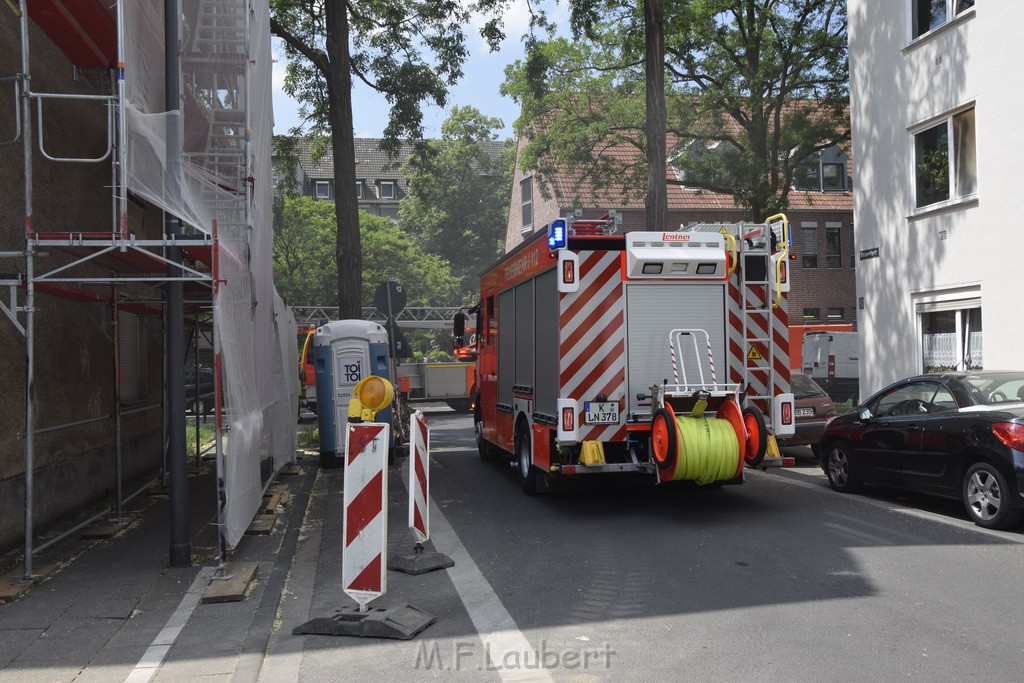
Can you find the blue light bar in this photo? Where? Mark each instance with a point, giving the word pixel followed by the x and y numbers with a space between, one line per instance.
pixel 557 234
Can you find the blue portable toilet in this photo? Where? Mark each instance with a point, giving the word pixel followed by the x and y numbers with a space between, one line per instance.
pixel 345 352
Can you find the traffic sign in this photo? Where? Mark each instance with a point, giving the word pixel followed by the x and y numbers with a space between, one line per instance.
pixel 390 298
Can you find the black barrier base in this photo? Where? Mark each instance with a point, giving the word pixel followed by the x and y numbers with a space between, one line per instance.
pixel 331 460
pixel 402 621
pixel 420 562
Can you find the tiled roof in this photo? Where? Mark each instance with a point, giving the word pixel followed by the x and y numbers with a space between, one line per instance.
pixel 371 162
pixel 574 189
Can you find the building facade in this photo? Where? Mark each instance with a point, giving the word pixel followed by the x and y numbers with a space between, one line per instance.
pixel 821 221
pixel 379 182
pixel 933 111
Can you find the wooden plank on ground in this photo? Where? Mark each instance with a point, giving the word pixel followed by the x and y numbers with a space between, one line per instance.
pixel 262 525
pixel 231 589
pixel 290 470
pixel 271 501
pixel 13 587
pixel 101 530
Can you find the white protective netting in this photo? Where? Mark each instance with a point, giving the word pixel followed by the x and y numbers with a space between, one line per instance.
pixel 217 176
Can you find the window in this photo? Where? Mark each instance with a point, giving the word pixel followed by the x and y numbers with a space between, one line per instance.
pixel 359 189
pixel 702 163
pixel 930 14
pixel 526 193
pixel 387 189
pixel 809 245
pixel 835 314
pixel 823 171
pixel 131 353
pixel 944 170
pixel 910 400
pixel 951 337
pixel 811 314
pixel 323 189
pixel 833 247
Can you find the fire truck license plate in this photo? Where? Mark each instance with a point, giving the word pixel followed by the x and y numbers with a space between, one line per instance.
pixel 601 413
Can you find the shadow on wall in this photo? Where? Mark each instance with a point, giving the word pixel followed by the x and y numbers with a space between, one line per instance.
pixel 909 251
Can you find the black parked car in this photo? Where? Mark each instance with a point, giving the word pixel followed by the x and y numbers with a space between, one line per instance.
pixel 206 403
pixel 957 434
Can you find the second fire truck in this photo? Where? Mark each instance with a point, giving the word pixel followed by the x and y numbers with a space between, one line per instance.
pixel 658 353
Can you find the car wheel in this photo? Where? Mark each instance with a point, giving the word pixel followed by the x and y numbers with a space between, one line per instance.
pixel 986 496
pixel 524 465
pixel 841 472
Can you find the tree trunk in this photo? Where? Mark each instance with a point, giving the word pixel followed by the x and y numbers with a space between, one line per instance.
pixel 657 189
pixel 348 252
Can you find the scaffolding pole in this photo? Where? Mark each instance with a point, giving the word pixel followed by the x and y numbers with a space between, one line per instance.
pixel 30 425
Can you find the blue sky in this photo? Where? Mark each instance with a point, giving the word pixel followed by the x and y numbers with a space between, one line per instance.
pixel 484 72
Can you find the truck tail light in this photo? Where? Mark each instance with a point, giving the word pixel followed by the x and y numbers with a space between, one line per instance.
pixel 787 413
pixel 1010 433
pixel 568 419
pixel 831 366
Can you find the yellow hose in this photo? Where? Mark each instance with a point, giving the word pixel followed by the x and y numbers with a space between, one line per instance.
pixel 707 450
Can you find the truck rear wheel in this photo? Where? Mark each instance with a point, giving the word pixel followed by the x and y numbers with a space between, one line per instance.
pixel 524 462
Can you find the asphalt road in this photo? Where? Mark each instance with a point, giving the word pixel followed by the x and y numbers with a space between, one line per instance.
pixel 777 579
pixel 780 578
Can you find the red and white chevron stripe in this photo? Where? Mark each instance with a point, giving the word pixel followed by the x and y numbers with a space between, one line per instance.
pixel 593 340
pixel 419 477
pixel 365 525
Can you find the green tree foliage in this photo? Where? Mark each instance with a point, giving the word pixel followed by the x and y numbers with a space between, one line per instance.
pixel 457 206
pixel 306 274
pixel 409 50
pixel 760 84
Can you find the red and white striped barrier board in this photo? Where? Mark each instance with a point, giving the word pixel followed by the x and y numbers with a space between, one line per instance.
pixel 365 527
pixel 419 477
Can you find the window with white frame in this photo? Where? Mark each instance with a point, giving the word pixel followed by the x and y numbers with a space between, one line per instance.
pixel 835 314
pixel 526 195
pixel 322 189
pixel 945 160
pixel 359 189
pixel 928 15
pixel 387 189
pixel 951 335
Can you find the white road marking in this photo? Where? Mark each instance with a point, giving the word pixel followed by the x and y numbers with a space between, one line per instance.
pixel 161 645
pixel 498 631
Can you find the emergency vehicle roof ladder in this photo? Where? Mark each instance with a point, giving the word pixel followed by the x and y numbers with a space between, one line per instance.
pixel 762 290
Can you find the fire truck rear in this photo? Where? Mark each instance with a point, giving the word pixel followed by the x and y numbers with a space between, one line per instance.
pixel 662 354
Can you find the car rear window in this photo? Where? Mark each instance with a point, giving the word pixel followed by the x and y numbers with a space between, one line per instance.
pixel 805 387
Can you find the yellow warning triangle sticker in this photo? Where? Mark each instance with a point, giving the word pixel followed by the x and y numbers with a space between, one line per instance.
pixel 724 230
pixel 754 354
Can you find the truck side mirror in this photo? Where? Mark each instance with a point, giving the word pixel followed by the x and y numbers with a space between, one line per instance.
pixel 459 329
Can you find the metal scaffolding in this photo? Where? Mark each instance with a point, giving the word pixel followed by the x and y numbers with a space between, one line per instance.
pixel 110 266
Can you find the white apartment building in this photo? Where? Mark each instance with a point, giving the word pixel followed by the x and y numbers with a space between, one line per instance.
pixel 936 101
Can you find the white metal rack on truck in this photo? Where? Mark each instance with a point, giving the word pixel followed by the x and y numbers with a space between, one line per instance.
pixel 658 353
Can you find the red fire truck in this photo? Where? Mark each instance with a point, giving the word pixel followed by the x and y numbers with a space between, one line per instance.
pixel 659 353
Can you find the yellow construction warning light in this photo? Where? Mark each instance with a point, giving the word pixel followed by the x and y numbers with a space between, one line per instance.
pixel 369 396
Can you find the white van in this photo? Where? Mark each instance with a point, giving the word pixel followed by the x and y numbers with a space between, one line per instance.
pixel 831 360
